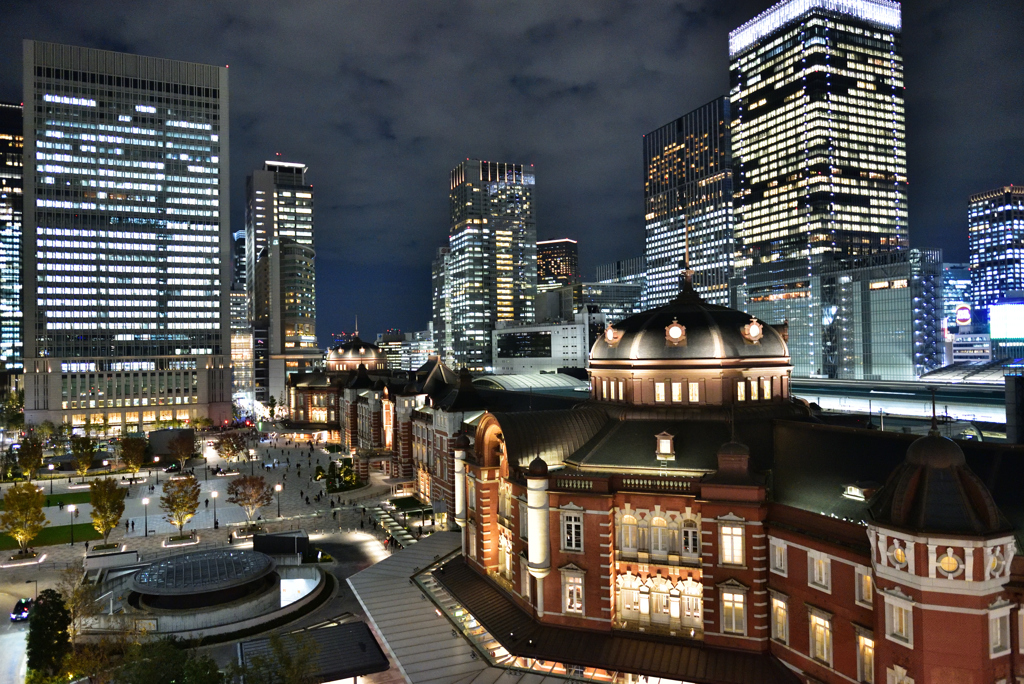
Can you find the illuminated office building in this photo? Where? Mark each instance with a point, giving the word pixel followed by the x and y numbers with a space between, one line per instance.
pixel 241 346
pixel 632 271
pixel 996 239
pixel 558 264
pixel 492 264
pixel 280 275
pixel 10 235
pixel 126 216
pixel 441 311
pixel 818 132
pixel 688 205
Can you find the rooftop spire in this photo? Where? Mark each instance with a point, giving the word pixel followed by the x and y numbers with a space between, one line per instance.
pixel 357 325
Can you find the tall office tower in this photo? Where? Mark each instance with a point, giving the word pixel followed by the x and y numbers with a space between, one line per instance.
pixel 238 256
pixel 441 311
pixel 126 239
pixel 688 205
pixel 818 132
pixel 996 240
pixel 280 275
pixel 11 138
pixel 956 295
pixel 558 264
pixel 241 346
pixel 493 259
pixel 632 271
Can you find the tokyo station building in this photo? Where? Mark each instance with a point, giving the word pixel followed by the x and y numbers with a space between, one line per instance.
pixel 694 522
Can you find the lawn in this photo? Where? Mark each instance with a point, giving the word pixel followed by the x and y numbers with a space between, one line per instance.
pixel 82 497
pixel 57 534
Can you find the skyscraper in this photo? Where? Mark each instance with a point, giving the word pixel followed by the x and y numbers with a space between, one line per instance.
pixel 441 310
pixel 558 263
pixel 996 239
pixel 493 259
pixel 818 133
pixel 280 275
pixel 127 242
pixel 10 235
pixel 688 205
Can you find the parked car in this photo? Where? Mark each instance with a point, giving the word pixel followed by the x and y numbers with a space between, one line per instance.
pixel 21 609
pixel 173 468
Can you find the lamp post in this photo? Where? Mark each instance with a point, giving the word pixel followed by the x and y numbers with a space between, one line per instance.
pixel 145 504
pixel 156 459
pixel 252 457
pixel 213 494
pixel 50 468
pixel 37 586
pixel 277 490
pixel 71 512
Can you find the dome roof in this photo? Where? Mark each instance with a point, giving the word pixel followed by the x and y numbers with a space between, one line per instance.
pixel 933 491
pixel 689 328
pixel 355 349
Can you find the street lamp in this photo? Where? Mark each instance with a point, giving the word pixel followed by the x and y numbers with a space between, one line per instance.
pixel 145 503
pixel 71 512
pixel 277 490
pixel 37 587
pixel 50 467
pixel 156 459
pixel 252 458
pixel 213 494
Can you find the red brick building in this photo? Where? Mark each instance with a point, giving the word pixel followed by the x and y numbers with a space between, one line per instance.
pixel 694 522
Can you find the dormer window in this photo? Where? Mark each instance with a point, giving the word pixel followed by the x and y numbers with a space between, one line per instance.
pixel 854 492
pixel 666 447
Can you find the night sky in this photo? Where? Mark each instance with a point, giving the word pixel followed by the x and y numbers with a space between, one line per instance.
pixel 382 99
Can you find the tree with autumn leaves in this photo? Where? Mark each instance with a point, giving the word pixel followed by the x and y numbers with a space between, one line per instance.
pixel 107 505
pixel 23 515
pixel 180 500
pixel 251 492
pixel 133 453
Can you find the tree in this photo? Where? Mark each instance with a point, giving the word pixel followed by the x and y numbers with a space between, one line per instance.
pixel 232 445
pixel 79 598
pixel 46 430
pixel 203 423
pixel 48 637
pixel 182 447
pixel 23 513
pixel 251 492
pixel 83 449
pixel 30 455
pixel 292 660
pixel 107 505
pixel 162 662
pixel 180 500
pixel 133 453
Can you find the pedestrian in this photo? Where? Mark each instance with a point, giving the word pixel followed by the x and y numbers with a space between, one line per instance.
pixel 133 525
pixel 87 546
pixel 362 525
pixel 126 524
pixel 334 515
pixel 307 500
pixel 207 503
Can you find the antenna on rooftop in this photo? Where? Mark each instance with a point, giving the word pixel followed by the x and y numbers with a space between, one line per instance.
pixel 935 421
pixel 357 325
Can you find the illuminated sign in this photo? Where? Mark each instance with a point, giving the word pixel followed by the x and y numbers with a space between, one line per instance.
pixel 1007 321
pixel 963 314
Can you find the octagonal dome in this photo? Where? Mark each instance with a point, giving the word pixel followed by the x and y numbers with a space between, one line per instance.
pixel 355 350
pixel 688 328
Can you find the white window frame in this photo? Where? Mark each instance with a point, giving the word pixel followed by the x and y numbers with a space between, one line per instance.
pixel 524 579
pixel 729 533
pixel 779 603
pixel 894 604
pixel 865 639
pixel 779 556
pixel 573 603
pixel 741 390
pixel 766 388
pixel 999 637
pixel 659 392
pixel 819 571
pixel 471 533
pixel 524 521
pixel 575 519
pixel 693 392
pixel 660 541
pixel 693 532
pixel 622 390
pixel 677 392
pixel 819 622
pixel 471 493
pixel 860 574
pixel 735 595
pixel 630 532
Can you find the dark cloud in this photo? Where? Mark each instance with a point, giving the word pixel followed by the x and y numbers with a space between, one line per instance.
pixel 382 99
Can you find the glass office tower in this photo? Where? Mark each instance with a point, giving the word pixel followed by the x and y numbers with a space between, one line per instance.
pixel 688 205
pixel 280 275
pixel 11 144
pixel 818 132
pixel 126 239
pixel 558 263
pixel 492 264
pixel 996 239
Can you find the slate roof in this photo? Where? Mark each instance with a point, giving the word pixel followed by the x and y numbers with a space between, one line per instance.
pixel 551 435
pixel 712 332
pixel 671 657
pixel 343 651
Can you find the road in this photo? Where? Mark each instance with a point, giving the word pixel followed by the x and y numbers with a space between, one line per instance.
pixel 13 634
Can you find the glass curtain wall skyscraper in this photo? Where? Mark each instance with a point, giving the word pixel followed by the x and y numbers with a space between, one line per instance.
pixel 996 239
pixel 126 239
pixel 280 275
pixel 11 149
pixel 688 205
pixel 819 144
pixel 492 264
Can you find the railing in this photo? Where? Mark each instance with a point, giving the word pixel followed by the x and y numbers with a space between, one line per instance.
pixel 675 485
pixel 574 483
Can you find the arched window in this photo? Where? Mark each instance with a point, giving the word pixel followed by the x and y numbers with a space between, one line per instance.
pixel 689 539
pixel 659 536
pixel 629 535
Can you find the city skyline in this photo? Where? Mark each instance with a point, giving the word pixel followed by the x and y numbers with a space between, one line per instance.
pixel 364 103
